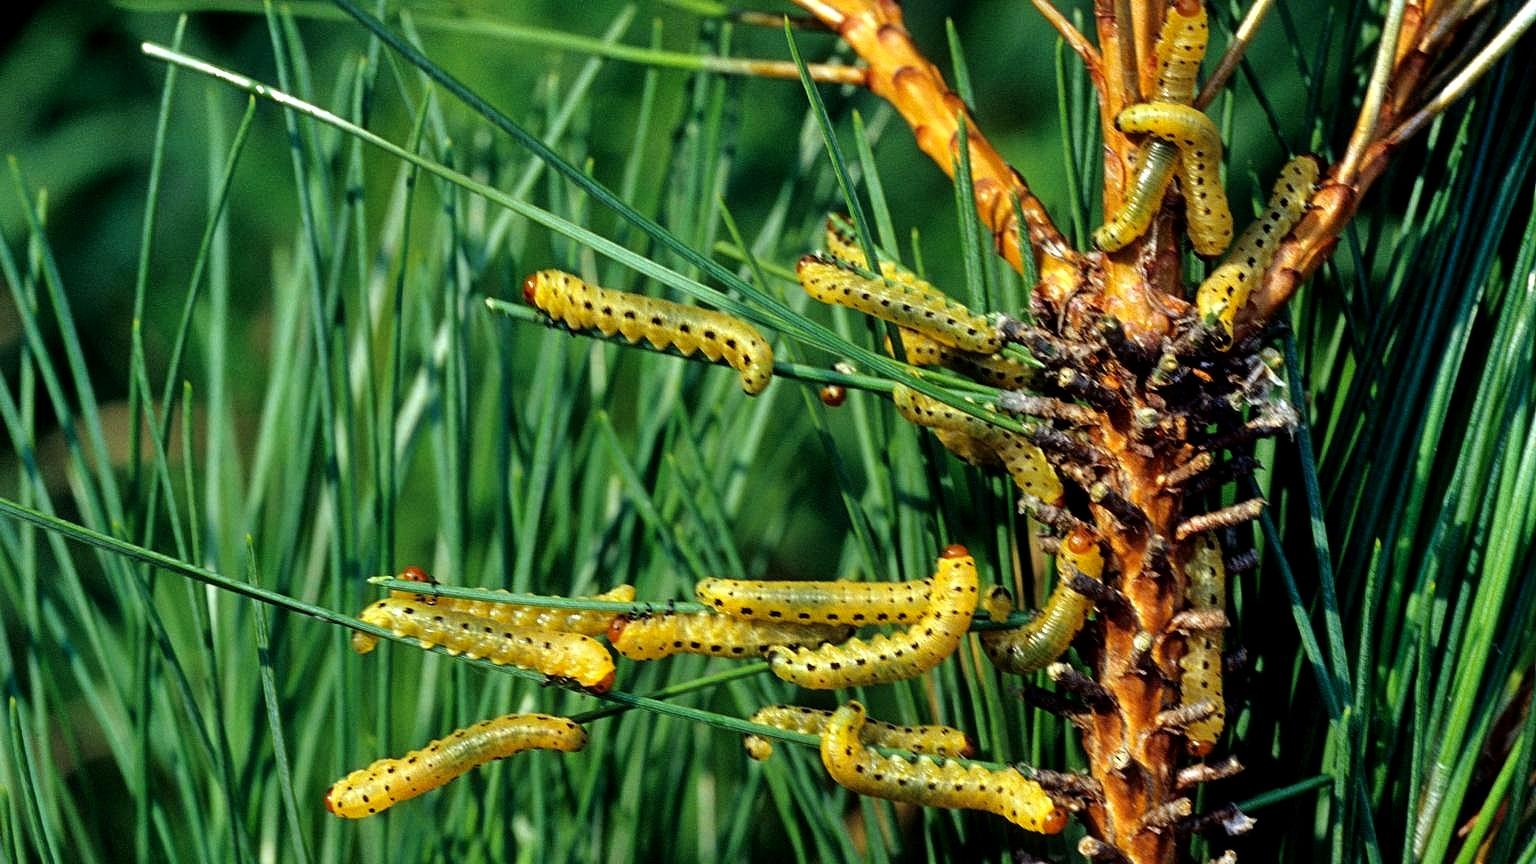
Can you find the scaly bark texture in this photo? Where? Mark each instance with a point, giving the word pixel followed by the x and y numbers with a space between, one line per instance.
pixel 1178 409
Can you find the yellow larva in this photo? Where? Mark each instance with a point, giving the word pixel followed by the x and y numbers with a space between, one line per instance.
pixel 840 602
pixel 933 739
pixel 1225 291
pixel 1152 173
pixel 975 441
pixel 993 370
pixel 563 655
pixel 389 781
pixel 904 303
pixel 663 323
pixel 584 622
pixel 908 653
pixel 655 636
pixel 843 245
pixel 1199 143
pixel 1180 48
pixel 1201 663
pixel 1048 635
pixel 930 783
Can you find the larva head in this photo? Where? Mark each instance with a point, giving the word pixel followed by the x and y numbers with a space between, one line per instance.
pixel 330 807
pixel 833 395
pixel 1054 821
pixel 616 627
pixel 530 288
pixel 414 574
pixel 1080 542
pixel 955 550
pixel 605 684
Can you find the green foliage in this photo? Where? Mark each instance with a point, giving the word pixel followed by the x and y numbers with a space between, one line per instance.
pixel 315 392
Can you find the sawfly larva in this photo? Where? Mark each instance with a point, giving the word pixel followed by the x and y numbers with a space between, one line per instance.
pixel 1225 291
pixel 1201 663
pixel 387 782
pixel 932 739
pixel 664 324
pixel 932 636
pixel 1199 143
pixel 914 305
pixel 652 637
pixel 562 655
pixel 931 783
pixel 981 443
pixel 839 602
pixel 1047 636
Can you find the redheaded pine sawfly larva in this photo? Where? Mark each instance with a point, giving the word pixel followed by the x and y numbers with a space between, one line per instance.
pixel 389 781
pixel 839 602
pixel 652 637
pixel 934 740
pixel 930 783
pixel 934 635
pixel 1201 662
pixel 1048 635
pixel 664 324
pixel 1225 291
pixel 562 655
pixel 1199 143
pixel 919 308
pixel 982 444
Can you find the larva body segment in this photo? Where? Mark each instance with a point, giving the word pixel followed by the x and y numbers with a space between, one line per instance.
pixel 997 603
pixel 934 635
pixel 389 781
pixel 930 783
pixel 981 443
pixel 656 636
pixel 1047 636
pixel 1152 173
pixel 839 602
pixel 1201 663
pixel 1180 49
pixel 906 304
pixel 1199 143
pixel 720 337
pixel 563 655
pixel 1225 291
pixel 932 739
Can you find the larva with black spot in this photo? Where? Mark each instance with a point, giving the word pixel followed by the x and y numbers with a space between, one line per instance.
pixel 1199 143
pixel 1201 663
pixel 934 635
pixel 930 739
pixel 1047 636
pixel 833 602
pixel 652 637
pixel 930 783
pixel 981 443
pixel 1180 49
pixel 562 655
pixel 914 305
pixel 387 782
pixel 664 324
pixel 587 623
pixel 1225 291
pixel 842 243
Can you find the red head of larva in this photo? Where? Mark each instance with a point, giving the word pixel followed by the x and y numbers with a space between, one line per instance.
pixel 1054 822
pixel 329 806
pixel 616 628
pixel 969 749
pixel 955 551
pixel 604 685
pixel 1080 542
pixel 414 574
pixel 530 287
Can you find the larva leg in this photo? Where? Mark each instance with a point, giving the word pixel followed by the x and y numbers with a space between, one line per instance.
pixel 389 781
pixel 930 783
